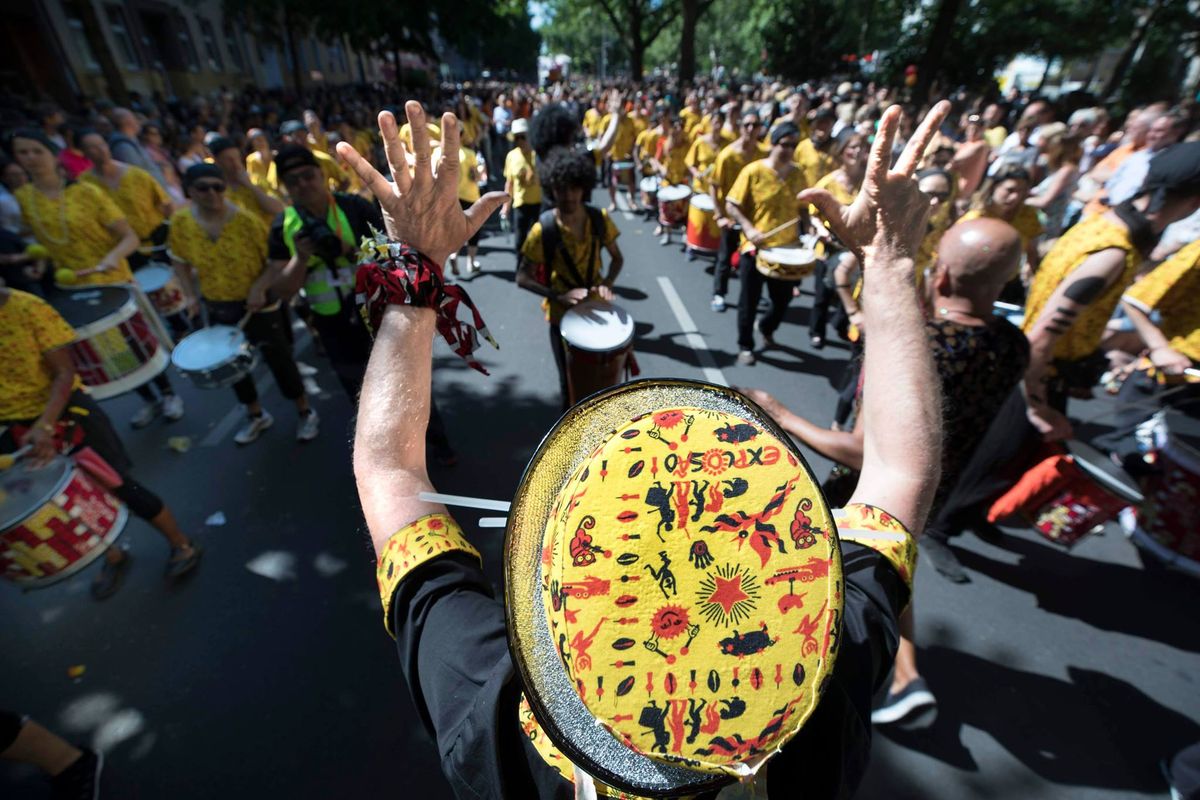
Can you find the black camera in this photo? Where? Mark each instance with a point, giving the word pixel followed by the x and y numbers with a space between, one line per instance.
pixel 326 244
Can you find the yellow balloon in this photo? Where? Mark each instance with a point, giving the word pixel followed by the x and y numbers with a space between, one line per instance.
pixel 65 277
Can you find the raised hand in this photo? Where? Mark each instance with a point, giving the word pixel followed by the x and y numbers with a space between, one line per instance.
pixel 855 224
pixel 420 207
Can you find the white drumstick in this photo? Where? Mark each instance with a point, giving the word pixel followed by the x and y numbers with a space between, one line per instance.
pixel 493 522
pixel 242 323
pixel 774 231
pixel 465 502
pixel 1192 372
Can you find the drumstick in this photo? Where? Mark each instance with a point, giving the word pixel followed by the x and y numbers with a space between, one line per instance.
pixel 493 522
pixel 242 322
pixel 774 231
pixel 8 459
pixel 465 502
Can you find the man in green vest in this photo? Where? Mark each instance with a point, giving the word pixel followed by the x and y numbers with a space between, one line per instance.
pixel 312 247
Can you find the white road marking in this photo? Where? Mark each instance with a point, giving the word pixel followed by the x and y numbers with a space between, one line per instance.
pixel 227 423
pixel 695 340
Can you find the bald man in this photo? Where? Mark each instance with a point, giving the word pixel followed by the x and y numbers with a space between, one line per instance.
pixel 127 148
pixel 980 358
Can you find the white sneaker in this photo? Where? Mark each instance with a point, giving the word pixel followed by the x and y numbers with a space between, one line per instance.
pixel 307 370
pixel 718 303
pixel 173 407
pixel 310 425
pixel 254 428
pixel 746 358
pixel 146 414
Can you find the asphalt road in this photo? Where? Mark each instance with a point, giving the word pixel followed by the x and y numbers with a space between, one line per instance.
pixel 267 674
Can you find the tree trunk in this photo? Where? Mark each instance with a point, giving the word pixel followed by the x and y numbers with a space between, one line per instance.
pixel 1121 68
pixel 637 60
pixel 939 40
pixel 1046 73
pixel 690 15
pixel 108 65
pixel 297 73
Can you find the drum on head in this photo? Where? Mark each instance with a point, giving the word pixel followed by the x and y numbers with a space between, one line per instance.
pixel 116 347
pixel 54 521
pixel 790 262
pixel 672 204
pixel 215 357
pixel 703 233
pixel 598 337
pixel 161 285
pixel 1168 523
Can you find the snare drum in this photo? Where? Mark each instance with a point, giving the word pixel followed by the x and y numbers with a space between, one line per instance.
pixel 162 286
pixel 1168 524
pixel 622 173
pixel 598 337
pixel 649 188
pixel 791 262
pixel 215 357
pixel 703 233
pixel 116 347
pixel 54 521
pixel 672 204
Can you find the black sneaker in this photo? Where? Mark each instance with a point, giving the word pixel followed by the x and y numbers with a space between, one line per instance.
pixel 110 578
pixel 943 559
pixel 914 706
pixel 81 780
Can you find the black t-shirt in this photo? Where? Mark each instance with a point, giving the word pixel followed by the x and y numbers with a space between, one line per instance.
pixel 453 650
pixel 360 213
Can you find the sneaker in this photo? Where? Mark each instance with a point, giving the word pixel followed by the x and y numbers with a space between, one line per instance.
pixel 179 564
pixel 173 407
pixel 718 303
pixel 818 342
pixel 254 428
pixel 81 780
pixel 146 415
pixel 914 706
pixel 665 239
pixel 307 370
pixel 943 559
pixel 111 575
pixel 746 358
pixel 310 425
pixel 475 267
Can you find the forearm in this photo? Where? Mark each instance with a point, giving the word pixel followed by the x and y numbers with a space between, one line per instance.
pixel 1150 333
pixel 844 447
pixel 60 394
pixel 267 203
pixel 736 214
pixel 124 248
pixel 291 277
pixel 606 140
pixel 616 262
pixel 526 281
pixel 1041 354
pixel 393 413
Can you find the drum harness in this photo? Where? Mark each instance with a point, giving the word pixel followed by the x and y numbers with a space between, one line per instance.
pixel 552 244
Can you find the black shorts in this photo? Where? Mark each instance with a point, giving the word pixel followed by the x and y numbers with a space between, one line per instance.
pixel 88 426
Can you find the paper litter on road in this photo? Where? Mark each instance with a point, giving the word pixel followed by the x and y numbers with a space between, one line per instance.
pixel 327 565
pixel 274 564
pixel 76 671
pixel 215 519
pixel 180 444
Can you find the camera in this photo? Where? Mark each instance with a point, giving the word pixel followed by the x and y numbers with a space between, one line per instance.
pixel 326 244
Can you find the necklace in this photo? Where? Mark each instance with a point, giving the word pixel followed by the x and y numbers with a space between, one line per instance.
pixel 966 315
pixel 40 224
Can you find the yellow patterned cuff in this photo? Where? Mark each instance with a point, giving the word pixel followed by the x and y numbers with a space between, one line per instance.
pixel 875 528
pixel 419 541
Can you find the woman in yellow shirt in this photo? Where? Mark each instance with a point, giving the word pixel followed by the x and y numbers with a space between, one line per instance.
pixel 701 157
pixel 1003 197
pixel 141 199
pixel 259 162
pixel 843 183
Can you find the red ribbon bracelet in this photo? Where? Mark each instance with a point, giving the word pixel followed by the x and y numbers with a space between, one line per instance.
pixel 392 273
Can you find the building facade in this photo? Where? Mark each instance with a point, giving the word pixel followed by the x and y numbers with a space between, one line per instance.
pixel 69 49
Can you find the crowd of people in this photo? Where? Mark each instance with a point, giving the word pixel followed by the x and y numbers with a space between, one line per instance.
pixel 1082 223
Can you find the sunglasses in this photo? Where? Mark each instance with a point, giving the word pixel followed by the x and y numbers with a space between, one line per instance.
pixel 209 187
pixel 791 144
pixel 751 124
pixel 941 196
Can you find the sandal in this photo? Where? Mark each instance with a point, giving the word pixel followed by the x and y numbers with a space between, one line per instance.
pixel 110 578
pixel 183 560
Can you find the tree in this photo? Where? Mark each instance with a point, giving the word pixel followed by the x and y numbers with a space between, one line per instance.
pixel 690 13
pixel 638 22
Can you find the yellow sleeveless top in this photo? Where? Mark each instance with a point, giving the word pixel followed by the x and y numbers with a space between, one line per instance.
pixel 1069 252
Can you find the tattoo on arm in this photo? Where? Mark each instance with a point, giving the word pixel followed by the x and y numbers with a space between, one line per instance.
pixel 1085 290
pixel 1067 312
pixel 1054 328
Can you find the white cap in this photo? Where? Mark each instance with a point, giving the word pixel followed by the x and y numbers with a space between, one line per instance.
pixel 520 125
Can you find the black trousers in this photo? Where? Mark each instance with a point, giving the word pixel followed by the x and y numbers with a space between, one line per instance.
pixel 724 266
pixel 825 300
pixel 95 430
pixel 753 282
pixel 268 332
pixel 560 361
pixel 524 217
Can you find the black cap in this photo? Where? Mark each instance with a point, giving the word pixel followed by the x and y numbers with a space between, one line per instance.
pixel 291 156
pixel 783 130
pixel 292 126
pixel 199 171
pixel 1175 170
pixel 218 144
pixel 824 113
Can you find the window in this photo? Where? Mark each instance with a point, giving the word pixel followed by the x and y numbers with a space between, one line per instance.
pixel 81 44
pixel 337 57
pixel 234 47
pixel 186 45
pixel 210 45
pixel 120 33
pixel 316 54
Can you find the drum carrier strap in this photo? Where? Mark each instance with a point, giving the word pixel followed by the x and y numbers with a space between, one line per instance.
pixel 552 243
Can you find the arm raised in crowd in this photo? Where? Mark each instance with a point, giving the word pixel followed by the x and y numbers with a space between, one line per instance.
pixel 422 211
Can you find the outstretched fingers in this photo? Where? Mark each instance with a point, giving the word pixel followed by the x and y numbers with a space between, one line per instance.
pixel 449 163
pixel 915 149
pixel 881 149
pixel 422 165
pixel 366 173
pixel 483 208
pixel 831 210
pixel 393 149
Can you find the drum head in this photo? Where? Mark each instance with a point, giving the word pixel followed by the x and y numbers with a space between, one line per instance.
pixel 622 165
pixel 1104 472
pixel 704 202
pixel 152 278
pixel 82 307
pixel 597 326
pixel 669 194
pixel 649 185
pixel 24 489
pixel 207 348
pixel 793 255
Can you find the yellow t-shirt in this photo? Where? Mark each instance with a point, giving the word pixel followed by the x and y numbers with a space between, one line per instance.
pixel 1069 252
pixel 767 201
pixel 730 163
pixel 646 144
pixel 622 145
pixel 74 228
pixel 831 184
pixel 468 162
pixel 1173 289
pixel 1026 222
pixel 138 195
pixel 262 174
pixel 691 118
pixel 578 248
pixel 675 161
pixel 591 123
pixel 522 169
pixel 227 267
pixel 702 157
pixel 813 162
pixel 435 134
pixel 243 197
pixel 995 136
pixel 29 327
